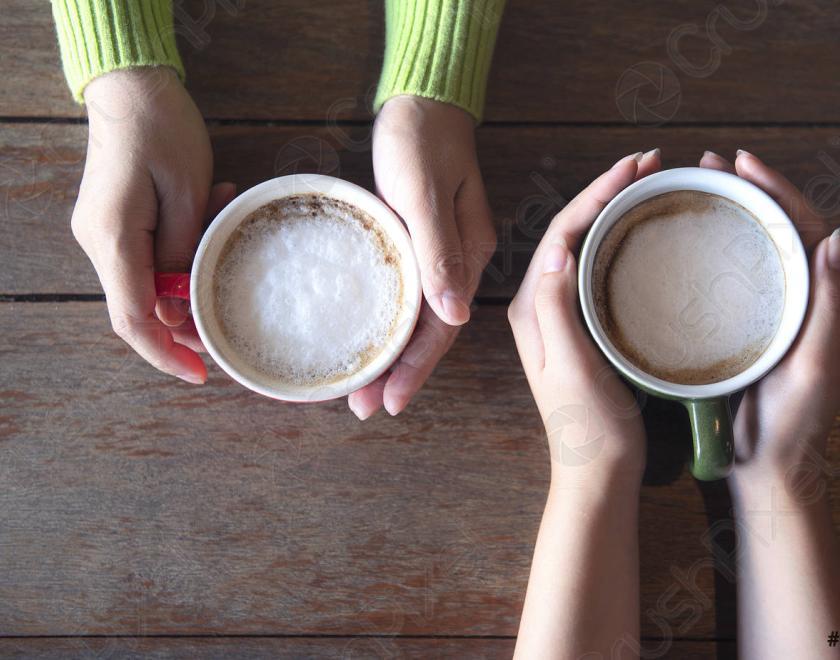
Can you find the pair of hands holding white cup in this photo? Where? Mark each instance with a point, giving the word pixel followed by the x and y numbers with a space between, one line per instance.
pixel 147 193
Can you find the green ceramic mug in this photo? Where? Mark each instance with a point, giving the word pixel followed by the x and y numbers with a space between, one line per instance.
pixel 708 404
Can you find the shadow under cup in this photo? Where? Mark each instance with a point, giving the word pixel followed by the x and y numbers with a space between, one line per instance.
pixel 707 404
pixel 210 250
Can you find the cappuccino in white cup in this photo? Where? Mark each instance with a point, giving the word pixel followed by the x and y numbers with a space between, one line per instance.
pixel 305 288
pixel 308 289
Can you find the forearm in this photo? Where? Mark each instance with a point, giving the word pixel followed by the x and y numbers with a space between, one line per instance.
pixel 583 591
pixel 788 572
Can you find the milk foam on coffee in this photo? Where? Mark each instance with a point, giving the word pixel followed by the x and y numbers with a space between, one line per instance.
pixel 689 287
pixel 308 289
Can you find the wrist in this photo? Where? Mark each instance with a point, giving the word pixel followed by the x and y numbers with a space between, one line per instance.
pixel 798 487
pixel 419 110
pixel 795 470
pixel 593 496
pixel 595 454
pixel 140 84
pixel 602 478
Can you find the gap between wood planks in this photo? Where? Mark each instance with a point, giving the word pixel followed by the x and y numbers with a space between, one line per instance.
pixel 233 121
pixel 313 635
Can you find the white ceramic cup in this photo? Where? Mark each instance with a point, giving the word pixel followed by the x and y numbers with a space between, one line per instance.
pixel 708 405
pixel 198 285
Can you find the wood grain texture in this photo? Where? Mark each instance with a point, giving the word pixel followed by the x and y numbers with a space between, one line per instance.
pixel 133 504
pixel 303 648
pixel 530 172
pixel 578 62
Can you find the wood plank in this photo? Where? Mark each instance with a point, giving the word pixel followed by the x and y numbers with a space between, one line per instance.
pixel 529 172
pixel 133 504
pixel 298 648
pixel 304 60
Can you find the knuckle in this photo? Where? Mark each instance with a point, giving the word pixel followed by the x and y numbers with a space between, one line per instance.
pixel 513 313
pixel 490 240
pixel 77 227
pixel 175 259
pixel 446 265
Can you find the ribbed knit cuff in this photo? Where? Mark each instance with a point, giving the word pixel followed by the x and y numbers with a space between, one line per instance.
pixel 439 49
pixel 98 36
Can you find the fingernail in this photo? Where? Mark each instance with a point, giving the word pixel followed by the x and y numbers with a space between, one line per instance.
pixel 652 153
pixel 712 154
pixel 192 378
pixel 361 415
pixel 834 250
pixel 742 152
pixel 637 157
pixel 392 408
pixel 456 310
pixel 555 258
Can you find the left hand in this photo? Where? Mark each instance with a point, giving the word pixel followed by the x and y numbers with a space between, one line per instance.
pixel 426 170
pixel 592 420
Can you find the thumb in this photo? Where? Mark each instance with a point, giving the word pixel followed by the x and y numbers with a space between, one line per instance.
pixel 818 340
pixel 555 302
pixel 179 229
pixel 429 211
pixel 441 259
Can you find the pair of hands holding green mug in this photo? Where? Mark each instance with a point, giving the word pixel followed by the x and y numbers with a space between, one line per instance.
pixel 783 420
pixel 583 594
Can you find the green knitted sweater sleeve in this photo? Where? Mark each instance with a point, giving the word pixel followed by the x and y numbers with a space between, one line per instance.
pixel 98 36
pixel 439 49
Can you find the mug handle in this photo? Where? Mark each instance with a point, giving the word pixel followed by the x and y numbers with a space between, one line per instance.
pixel 172 285
pixel 711 430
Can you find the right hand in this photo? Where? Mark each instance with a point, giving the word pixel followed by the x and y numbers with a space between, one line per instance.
pixel 784 419
pixel 144 197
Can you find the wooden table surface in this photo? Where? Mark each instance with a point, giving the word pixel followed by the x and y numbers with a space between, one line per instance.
pixel 141 516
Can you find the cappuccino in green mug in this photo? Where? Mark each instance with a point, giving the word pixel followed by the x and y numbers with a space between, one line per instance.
pixel 689 287
pixel 694 284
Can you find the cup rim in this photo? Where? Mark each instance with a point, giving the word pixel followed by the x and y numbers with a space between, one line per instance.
pixel 735 189
pixel 294 184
